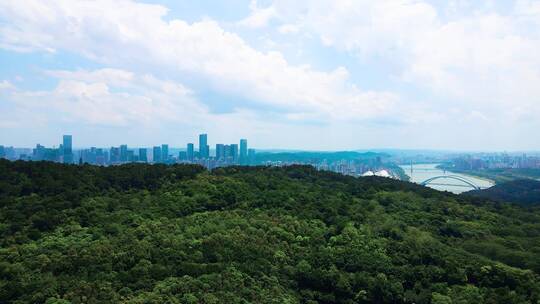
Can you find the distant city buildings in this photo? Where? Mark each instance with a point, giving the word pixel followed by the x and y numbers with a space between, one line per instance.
pixel 240 154
pixel 233 153
pixel 352 167
pixel 243 151
pixel 225 155
pixel 143 157
pixel 482 161
pixel 190 152
pixel 123 153
pixel 204 149
pixel 165 153
pixel 156 155
pixel 220 152
pixel 67 146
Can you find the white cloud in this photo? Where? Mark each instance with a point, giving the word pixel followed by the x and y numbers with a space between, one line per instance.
pixel 6 85
pixel 126 33
pixel 116 77
pixel 473 53
pixel 288 29
pixel 109 97
pixel 127 105
pixel 259 17
pixel 482 65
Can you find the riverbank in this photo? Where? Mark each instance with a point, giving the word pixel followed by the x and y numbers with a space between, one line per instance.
pixel 471 174
pixel 498 176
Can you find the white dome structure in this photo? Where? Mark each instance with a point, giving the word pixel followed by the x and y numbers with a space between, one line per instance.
pixel 383 173
pixel 368 173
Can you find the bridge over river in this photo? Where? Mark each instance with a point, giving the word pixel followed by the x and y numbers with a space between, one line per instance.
pixel 429 175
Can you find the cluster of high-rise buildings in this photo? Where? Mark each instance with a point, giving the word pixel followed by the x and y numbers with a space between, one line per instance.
pixel 222 155
pixel 496 161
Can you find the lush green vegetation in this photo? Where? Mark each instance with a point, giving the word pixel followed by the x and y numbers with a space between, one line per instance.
pixel 521 191
pixel 179 234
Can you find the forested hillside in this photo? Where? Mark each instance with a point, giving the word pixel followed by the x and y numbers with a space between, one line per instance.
pixel 180 234
pixel 521 191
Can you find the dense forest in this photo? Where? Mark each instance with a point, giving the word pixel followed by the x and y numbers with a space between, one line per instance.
pixel 180 234
pixel 521 191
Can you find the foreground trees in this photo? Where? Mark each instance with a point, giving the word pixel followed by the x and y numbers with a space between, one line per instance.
pixel 179 234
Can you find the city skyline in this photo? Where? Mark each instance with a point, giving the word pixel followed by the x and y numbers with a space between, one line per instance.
pixel 222 155
pixel 234 154
pixel 309 75
pixel 179 144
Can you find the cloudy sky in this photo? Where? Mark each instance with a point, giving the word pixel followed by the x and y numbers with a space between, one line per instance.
pixel 318 74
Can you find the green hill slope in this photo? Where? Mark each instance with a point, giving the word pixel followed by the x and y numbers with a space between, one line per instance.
pixel 179 234
pixel 521 191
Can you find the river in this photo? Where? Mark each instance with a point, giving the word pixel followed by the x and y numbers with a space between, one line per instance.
pixel 422 172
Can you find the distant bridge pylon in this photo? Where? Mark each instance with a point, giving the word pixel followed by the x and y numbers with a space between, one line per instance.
pixel 454 177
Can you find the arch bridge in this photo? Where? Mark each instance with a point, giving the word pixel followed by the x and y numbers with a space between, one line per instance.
pixel 467 182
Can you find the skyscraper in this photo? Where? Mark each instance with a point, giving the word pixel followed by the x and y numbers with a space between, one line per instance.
pixel 143 157
pixel 156 155
pixel 190 152
pixel 204 149
pixel 67 144
pixel 164 153
pixel 234 153
pixel 37 154
pixel 114 155
pixel 227 153
pixel 182 156
pixel 101 157
pixel 131 156
pixel 220 152
pixel 123 153
pixel 243 151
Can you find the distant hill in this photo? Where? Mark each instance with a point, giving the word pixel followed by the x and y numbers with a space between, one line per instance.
pixel 307 156
pixel 523 191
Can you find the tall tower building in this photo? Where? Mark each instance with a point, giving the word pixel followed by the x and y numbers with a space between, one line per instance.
pixel 164 153
pixel 190 151
pixel 143 157
pixel 220 151
pixel 204 149
pixel 123 153
pixel 234 153
pixel 114 155
pixel 243 151
pixel 156 155
pixel 67 144
pixel 227 153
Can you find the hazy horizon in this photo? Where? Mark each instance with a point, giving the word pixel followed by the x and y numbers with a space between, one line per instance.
pixel 310 75
pixel 290 150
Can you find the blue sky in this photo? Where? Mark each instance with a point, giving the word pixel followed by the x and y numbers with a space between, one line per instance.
pixel 320 75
